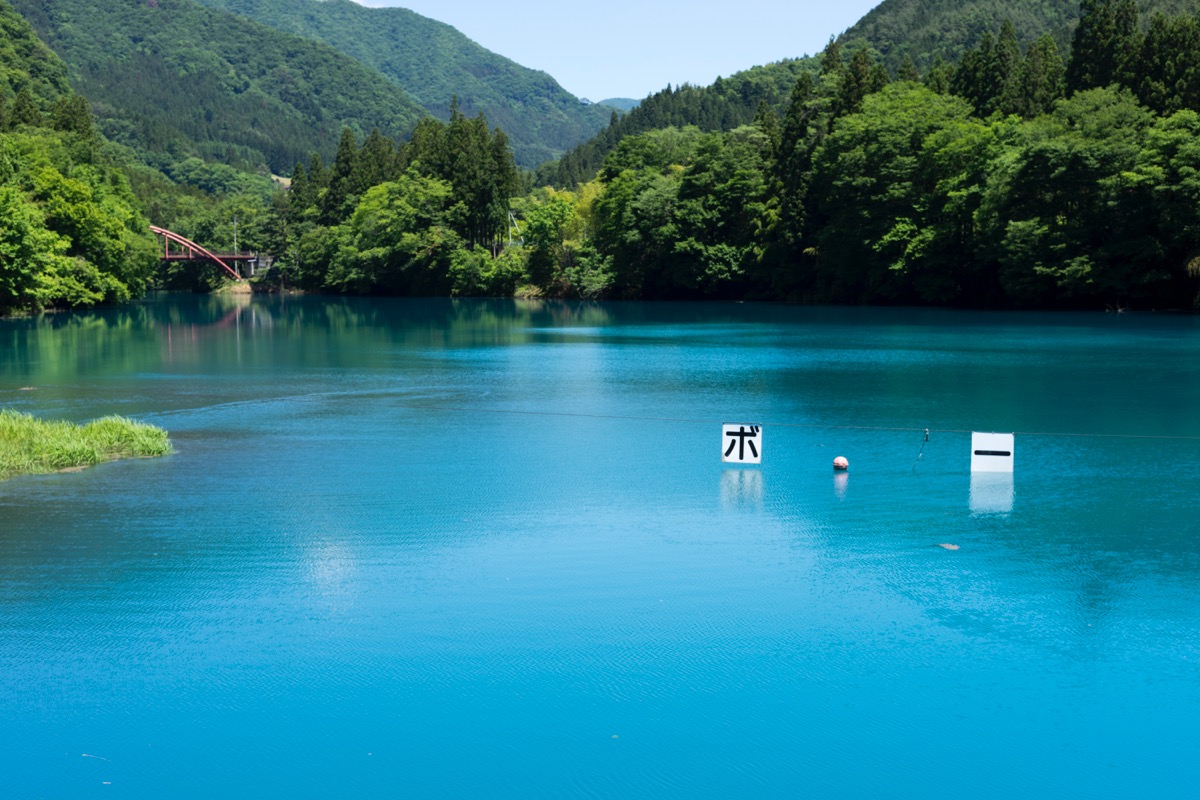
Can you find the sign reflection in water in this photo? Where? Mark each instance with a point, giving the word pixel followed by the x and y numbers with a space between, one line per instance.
pixel 991 492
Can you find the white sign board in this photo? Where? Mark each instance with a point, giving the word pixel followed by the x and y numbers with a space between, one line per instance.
pixel 741 444
pixel 991 452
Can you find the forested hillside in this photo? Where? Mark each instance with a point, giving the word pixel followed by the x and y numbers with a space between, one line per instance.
pixel 923 30
pixel 71 232
pixel 902 35
pixel 1018 177
pixel 434 63
pixel 726 104
pixel 173 79
pixel 26 63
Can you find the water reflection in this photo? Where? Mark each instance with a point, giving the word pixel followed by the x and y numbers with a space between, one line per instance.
pixel 991 492
pixel 741 488
pixel 841 480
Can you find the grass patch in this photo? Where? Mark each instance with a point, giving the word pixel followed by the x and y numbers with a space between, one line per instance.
pixel 30 446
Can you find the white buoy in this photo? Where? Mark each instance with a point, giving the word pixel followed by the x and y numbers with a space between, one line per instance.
pixel 841 463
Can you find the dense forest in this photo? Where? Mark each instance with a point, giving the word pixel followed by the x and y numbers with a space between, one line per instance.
pixel 1017 177
pixel 924 31
pixel 1023 175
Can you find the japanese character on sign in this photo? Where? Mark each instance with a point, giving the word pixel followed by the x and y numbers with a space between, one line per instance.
pixel 741 444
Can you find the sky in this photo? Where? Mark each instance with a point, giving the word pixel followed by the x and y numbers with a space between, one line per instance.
pixel 601 49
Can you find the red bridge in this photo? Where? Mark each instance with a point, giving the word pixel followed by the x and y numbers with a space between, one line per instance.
pixel 187 250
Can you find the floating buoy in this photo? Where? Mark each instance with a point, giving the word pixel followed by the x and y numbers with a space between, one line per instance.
pixel 841 463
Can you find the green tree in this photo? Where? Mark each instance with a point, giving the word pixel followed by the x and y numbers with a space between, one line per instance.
pixel 27 248
pixel 396 240
pixel 338 198
pixel 1057 215
pixel 25 111
pixel 721 216
pixel 545 231
pixel 378 162
pixel 873 188
pixel 72 114
pixel 857 82
pixel 1042 77
pixel 1103 43
pixel 1165 183
pixel 1166 71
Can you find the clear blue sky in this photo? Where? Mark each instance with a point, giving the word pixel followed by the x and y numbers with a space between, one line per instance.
pixel 624 48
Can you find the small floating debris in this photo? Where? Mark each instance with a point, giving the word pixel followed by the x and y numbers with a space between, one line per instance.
pixel 840 463
pixel 948 546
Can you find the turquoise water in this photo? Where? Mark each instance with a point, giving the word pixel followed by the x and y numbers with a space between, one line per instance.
pixel 489 549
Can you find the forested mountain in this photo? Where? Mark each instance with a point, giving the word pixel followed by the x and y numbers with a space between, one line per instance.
pixel 620 103
pixel 924 30
pixel 174 79
pixel 434 63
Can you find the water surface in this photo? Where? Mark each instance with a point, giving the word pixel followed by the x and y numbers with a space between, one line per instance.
pixel 488 548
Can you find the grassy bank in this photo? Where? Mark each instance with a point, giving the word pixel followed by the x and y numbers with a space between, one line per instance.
pixel 29 445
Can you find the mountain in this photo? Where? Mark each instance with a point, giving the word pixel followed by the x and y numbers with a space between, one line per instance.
pixel 620 103
pixel 922 30
pixel 434 62
pixel 174 79
pixel 925 29
pixel 726 104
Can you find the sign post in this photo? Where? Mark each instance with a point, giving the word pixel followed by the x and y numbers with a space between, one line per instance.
pixel 992 452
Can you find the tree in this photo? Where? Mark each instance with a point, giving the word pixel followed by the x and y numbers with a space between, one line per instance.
pixel 72 114
pixel 25 111
pixel 377 163
pixel 907 71
pixel 940 76
pixel 545 226
pixel 396 240
pixel 1165 181
pixel 1166 69
pixel 338 198
pixel 1103 43
pixel 873 190
pixel 1007 72
pixel 857 82
pixel 26 248
pixel 1041 77
pixel 1058 216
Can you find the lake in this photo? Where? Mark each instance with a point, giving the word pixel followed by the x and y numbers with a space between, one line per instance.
pixel 436 548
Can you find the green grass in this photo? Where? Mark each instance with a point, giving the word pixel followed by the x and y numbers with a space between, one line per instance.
pixel 30 446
